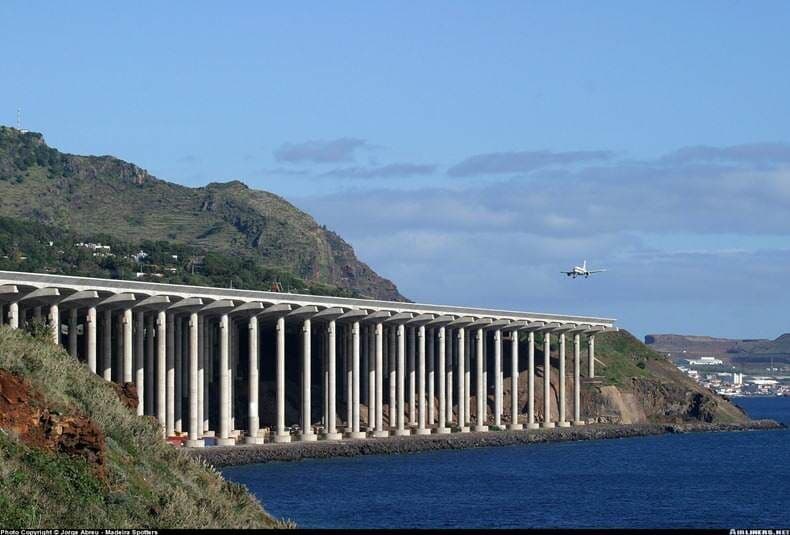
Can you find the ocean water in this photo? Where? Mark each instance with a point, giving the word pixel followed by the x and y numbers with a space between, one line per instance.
pixel 713 480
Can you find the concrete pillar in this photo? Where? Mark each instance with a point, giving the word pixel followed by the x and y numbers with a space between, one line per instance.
pixel 232 370
pixel 531 423
pixel 411 364
pixel 107 346
pixel 401 408
pixel 73 332
pixel 561 421
pixel 203 322
pixel 178 406
pixel 161 370
pixel 355 380
pixel 349 380
pixel 514 406
pixel 393 380
pixel 194 440
pixel 139 364
pixel 90 324
pixel 498 378
pixel 207 362
pixel 252 406
pixel 54 326
pixel 150 388
pixel 467 376
pixel 331 358
pixel 2 314
pixel 224 438
pixel 577 386
pixel 431 365
pixel 371 339
pixel 461 371
pixel 282 434
pixel 363 365
pixel 379 366
pixel 170 381
pixel 480 395
pixel 441 428
pixel 547 381
pixel 118 366
pixel 13 316
pixel 421 429
pixel 127 345
pixel 307 422
pixel 591 355
pixel 449 375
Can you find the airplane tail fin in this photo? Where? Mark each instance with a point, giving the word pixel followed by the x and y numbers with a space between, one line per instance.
pixel 584 265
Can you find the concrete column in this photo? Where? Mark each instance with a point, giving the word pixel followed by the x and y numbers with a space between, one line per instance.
pixel 201 391
pixel 411 355
pixel 431 377
pixel 224 438
pixel 531 423
pixel 393 380
pixel 461 371
pixel 591 355
pixel 107 346
pixel 13 316
pixel 307 422
pixel 194 440
pixel 355 380
pixel 467 376
pixel 547 381
pixel 208 374
pixel 2 314
pixel 252 406
pixel 232 370
pixel 421 429
pixel 127 345
pixel 561 420
pixel 170 380
pixel 401 408
pixel 514 406
pixel 577 386
pixel 54 326
pixel 161 370
pixel 449 374
pixel 363 365
pixel 73 332
pixel 480 395
pixel 331 358
pixel 90 324
pixel 139 364
pixel 498 378
pixel 371 339
pixel 379 338
pixel 118 365
pixel 179 373
pixel 282 434
pixel 150 388
pixel 349 380
pixel 441 428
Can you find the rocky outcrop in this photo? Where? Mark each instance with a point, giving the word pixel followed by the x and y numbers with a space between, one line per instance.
pixel 24 414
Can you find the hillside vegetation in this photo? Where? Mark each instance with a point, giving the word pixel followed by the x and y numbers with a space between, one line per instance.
pixel 85 459
pixel 102 195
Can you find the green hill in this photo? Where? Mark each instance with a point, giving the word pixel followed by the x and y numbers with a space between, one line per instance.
pixel 102 195
pixel 73 455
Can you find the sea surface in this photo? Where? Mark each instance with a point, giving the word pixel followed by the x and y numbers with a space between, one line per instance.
pixel 716 480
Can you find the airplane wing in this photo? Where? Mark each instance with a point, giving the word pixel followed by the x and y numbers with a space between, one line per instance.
pixel 597 270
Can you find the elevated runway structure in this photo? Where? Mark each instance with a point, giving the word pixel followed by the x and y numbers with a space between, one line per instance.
pixel 216 362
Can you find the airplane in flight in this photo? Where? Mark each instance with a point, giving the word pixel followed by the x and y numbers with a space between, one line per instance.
pixel 582 271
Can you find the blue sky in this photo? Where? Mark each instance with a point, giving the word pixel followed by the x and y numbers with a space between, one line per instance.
pixel 469 151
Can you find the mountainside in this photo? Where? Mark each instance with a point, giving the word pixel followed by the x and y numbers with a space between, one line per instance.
pixel 102 195
pixel 687 346
pixel 74 454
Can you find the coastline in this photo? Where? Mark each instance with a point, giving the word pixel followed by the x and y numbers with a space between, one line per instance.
pixel 221 456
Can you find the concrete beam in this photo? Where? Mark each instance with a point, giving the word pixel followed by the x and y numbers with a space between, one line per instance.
pixel 122 300
pixel 461 322
pixel 301 312
pixel 222 306
pixel 397 319
pixel 356 314
pixel 46 296
pixel 276 311
pixel 422 319
pixel 190 304
pixel 440 321
pixel 481 323
pixel 155 302
pixel 378 316
pixel 328 314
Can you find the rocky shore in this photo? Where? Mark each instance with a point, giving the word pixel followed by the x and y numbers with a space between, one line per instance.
pixel 243 454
